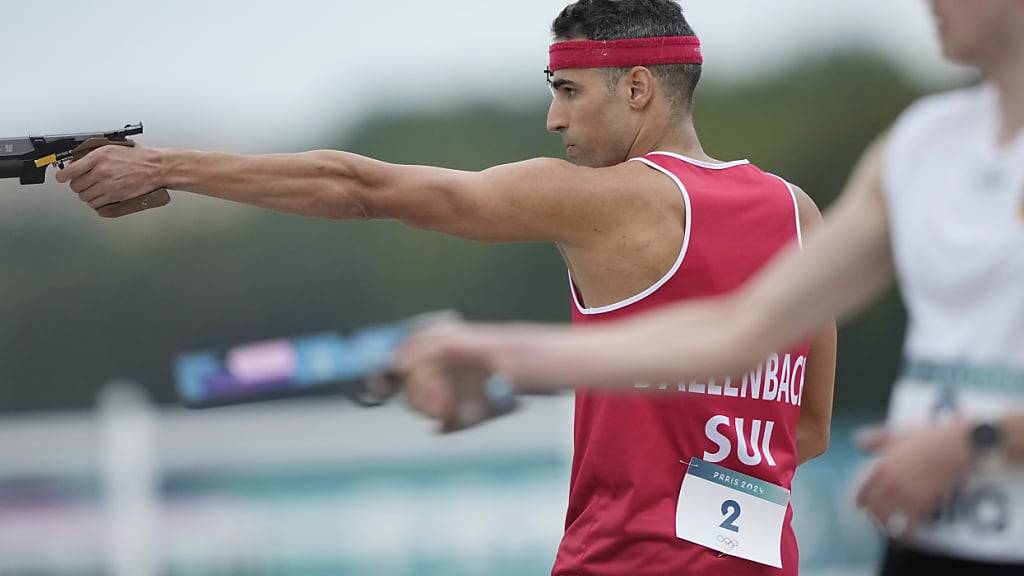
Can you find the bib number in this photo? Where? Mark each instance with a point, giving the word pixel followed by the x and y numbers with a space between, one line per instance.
pixel 732 513
pixel 731 509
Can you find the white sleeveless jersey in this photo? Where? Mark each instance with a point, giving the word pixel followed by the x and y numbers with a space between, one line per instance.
pixel 956 209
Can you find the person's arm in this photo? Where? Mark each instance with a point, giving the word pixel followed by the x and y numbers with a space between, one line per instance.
pixel 539 199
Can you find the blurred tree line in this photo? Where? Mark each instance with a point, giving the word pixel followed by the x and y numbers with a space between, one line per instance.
pixel 94 300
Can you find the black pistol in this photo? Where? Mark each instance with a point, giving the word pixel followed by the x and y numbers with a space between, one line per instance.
pixel 27 159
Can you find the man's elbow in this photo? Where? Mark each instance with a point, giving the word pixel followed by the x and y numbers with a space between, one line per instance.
pixel 814 444
pixel 345 181
pixel 819 445
pixel 345 204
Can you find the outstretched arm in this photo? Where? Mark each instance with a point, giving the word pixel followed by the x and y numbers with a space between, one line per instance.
pixel 534 200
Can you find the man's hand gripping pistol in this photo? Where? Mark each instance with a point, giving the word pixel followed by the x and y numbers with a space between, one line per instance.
pixel 27 159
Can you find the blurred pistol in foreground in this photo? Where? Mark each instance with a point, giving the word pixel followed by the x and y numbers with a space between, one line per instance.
pixel 358 366
pixel 27 159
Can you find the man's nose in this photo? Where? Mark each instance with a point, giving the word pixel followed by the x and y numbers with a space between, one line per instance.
pixel 556 118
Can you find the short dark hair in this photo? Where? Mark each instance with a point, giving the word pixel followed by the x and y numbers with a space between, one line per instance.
pixel 621 19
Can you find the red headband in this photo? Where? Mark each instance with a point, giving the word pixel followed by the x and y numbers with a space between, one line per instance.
pixel 625 53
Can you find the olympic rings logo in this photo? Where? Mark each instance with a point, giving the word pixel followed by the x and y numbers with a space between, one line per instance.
pixel 730 543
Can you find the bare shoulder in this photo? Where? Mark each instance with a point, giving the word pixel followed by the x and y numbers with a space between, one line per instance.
pixel 624 188
pixel 804 201
pixel 628 199
pixel 810 213
pixel 596 180
pixel 635 187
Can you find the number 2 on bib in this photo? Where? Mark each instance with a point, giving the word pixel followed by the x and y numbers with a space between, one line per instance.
pixel 731 510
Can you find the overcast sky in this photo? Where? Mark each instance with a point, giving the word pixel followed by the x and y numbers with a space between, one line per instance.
pixel 262 74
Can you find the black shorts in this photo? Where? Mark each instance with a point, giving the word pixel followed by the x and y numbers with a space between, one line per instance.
pixel 902 561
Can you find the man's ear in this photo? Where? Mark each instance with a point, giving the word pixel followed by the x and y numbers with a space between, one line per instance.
pixel 640 83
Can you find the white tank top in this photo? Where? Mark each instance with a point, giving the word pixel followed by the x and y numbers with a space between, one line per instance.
pixel 956 209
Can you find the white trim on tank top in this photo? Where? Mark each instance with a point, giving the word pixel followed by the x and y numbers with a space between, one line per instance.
pixel 796 209
pixel 702 163
pixel 675 267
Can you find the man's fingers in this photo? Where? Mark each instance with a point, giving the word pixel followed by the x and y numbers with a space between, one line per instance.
pixel 447 369
pixel 874 487
pixel 864 489
pixel 77 168
pixel 471 405
pixel 84 182
pixel 432 345
pixel 897 512
pixel 878 502
pixel 416 351
pixel 99 201
pixel 429 392
pixel 885 499
pixel 469 412
pixel 91 193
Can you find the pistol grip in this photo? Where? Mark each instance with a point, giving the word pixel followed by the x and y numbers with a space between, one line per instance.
pixel 154 199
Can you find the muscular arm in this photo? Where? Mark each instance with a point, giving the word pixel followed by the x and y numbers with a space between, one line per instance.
pixel 492 205
pixel 534 200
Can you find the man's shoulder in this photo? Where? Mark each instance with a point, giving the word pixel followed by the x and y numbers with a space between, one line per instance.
pixel 807 209
pixel 600 195
pixel 632 178
pixel 803 199
pixel 563 169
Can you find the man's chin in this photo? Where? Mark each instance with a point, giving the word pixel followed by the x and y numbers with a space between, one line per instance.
pixel 582 161
pixel 586 161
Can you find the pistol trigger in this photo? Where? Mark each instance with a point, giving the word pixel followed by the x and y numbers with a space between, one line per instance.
pixel 60 164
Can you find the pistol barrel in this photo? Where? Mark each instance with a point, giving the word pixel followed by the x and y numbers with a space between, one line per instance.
pixel 11 167
pixel 119 134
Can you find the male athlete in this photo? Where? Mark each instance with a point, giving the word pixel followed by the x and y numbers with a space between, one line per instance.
pixel 643 218
pixel 939 200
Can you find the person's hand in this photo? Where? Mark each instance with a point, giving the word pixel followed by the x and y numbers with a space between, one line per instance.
pixel 447 377
pixel 112 174
pixel 916 470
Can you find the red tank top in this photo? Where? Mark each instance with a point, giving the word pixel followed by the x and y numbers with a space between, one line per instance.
pixel 630 450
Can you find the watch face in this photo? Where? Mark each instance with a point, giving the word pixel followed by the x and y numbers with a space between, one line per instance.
pixel 986 436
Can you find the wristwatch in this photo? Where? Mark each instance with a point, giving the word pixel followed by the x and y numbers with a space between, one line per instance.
pixel 988 443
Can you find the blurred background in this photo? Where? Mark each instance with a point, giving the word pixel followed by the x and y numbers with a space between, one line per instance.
pixel 100 471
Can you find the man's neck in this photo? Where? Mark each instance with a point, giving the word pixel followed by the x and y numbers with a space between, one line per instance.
pixel 681 138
